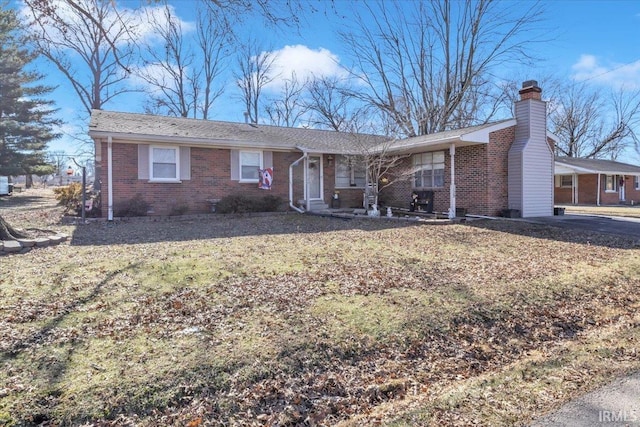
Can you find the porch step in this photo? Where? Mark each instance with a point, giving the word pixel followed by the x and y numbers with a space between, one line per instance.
pixel 315 205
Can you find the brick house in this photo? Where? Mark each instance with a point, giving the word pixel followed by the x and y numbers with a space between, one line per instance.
pixel 179 164
pixel 595 182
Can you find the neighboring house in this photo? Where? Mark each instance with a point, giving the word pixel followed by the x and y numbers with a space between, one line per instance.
pixel 179 164
pixel 595 182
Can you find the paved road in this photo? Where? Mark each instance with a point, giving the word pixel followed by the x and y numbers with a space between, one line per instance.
pixel 614 405
pixel 629 227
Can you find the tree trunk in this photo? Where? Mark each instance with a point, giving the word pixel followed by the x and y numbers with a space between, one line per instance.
pixel 7 232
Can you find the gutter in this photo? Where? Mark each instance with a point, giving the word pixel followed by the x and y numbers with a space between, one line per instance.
pixel 291 166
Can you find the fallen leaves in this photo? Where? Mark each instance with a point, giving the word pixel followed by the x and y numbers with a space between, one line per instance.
pixel 294 320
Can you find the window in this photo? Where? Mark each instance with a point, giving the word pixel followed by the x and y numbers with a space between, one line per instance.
pixel 250 163
pixel 610 183
pixel 350 172
pixel 429 169
pixel 566 181
pixel 164 164
pixel 636 182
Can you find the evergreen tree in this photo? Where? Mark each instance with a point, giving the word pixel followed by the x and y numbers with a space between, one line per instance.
pixel 26 122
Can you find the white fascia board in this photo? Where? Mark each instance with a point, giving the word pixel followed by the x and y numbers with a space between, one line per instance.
pixel 192 142
pixel 553 136
pixel 563 169
pixel 482 135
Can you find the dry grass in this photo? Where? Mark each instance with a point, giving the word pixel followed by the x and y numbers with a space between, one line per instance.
pixel 289 319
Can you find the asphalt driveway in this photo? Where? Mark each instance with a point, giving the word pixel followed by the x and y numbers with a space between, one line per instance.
pixel 622 226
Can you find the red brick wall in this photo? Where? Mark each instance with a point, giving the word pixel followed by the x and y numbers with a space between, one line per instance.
pixel 481 178
pixel 631 192
pixel 587 193
pixel 210 179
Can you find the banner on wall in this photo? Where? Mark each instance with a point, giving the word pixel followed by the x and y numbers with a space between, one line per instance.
pixel 266 178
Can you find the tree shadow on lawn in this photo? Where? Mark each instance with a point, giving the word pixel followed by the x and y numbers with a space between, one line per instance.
pixel 24 202
pixel 174 229
pixel 570 232
pixel 51 371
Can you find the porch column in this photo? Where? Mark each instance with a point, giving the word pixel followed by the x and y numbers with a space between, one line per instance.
pixel 110 178
pixel 305 179
pixel 574 190
pixel 598 192
pixel 452 187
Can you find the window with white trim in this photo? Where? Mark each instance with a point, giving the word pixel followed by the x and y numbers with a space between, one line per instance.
pixel 350 172
pixel 636 182
pixel 164 164
pixel 250 163
pixel 610 183
pixel 429 169
pixel 566 181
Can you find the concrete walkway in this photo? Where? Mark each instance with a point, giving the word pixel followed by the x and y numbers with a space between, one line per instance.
pixel 614 405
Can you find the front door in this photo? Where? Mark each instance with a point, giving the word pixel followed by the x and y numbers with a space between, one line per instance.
pixel 314 177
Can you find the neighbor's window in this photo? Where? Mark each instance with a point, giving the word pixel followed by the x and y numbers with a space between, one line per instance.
pixel 429 169
pixel 636 182
pixel 250 162
pixel 350 172
pixel 566 180
pixel 610 183
pixel 164 163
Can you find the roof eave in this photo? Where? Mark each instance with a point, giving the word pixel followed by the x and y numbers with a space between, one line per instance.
pixel 181 140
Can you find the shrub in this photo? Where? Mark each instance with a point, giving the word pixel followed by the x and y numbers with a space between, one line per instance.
pixel 244 204
pixel 136 206
pixel 70 196
pixel 178 209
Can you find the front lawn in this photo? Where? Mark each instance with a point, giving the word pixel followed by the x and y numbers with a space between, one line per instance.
pixel 289 319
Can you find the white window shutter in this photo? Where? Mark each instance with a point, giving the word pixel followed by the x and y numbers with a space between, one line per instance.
pixel 235 165
pixel 143 161
pixel 185 163
pixel 267 159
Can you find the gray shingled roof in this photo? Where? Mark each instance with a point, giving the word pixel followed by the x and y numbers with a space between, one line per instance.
pixel 608 167
pixel 448 135
pixel 136 127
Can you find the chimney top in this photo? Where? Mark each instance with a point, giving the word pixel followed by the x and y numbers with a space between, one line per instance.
pixel 530 90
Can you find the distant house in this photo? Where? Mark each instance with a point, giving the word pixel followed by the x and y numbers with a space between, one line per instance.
pixel 185 163
pixel 595 182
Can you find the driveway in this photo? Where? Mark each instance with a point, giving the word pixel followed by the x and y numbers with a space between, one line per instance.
pixel 615 405
pixel 622 226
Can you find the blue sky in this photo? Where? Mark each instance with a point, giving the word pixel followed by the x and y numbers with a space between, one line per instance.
pixel 596 41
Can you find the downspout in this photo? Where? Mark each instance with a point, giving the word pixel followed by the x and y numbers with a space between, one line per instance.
pixel 110 178
pixel 291 166
pixel 598 192
pixel 452 187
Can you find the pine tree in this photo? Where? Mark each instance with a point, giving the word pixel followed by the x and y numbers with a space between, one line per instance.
pixel 26 125
pixel 26 122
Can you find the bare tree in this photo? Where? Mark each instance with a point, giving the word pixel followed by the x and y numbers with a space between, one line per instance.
pixel 290 107
pixel 330 101
pixel 592 124
pixel 429 69
pixel 255 67
pixel 170 71
pixel 182 76
pixel 211 43
pixel 101 41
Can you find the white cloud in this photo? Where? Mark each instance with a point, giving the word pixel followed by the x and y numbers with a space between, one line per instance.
pixel 617 76
pixel 305 63
pixel 137 20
